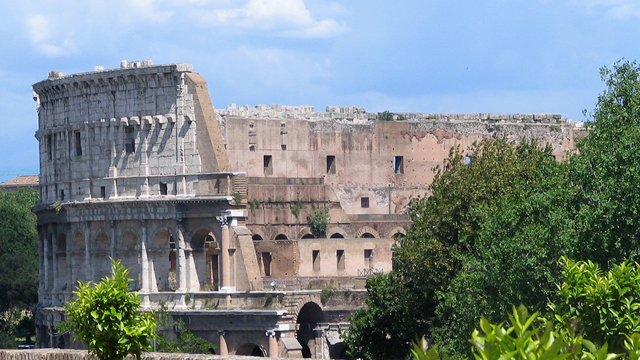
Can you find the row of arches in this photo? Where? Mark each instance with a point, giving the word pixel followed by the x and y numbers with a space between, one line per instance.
pixel 335 233
pixel 152 261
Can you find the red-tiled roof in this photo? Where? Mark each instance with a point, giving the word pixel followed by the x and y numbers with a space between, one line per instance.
pixel 23 180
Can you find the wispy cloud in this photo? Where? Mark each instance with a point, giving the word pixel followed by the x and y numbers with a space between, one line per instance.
pixel 59 30
pixel 42 35
pixel 613 9
pixel 289 18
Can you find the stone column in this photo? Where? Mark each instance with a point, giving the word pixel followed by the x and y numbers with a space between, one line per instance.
pixel 112 239
pixel 224 253
pixel 224 350
pixel 71 270
pixel 273 344
pixel 144 260
pixel 45 261
pixel 182 261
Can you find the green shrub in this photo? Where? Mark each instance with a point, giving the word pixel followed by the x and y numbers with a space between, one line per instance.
pixel 325 294
pixel 605 305
pixel 318 222
pixel 105 317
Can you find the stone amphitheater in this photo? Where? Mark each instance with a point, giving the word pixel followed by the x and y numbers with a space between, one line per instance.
pixel 208 207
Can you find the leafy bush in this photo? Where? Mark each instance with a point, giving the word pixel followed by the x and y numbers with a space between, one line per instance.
pixel 606 305
pixel 105 317
pixel 318 222
pixel 522 340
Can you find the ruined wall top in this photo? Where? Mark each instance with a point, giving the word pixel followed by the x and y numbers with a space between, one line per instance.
pixel 127 68
pixel 354 114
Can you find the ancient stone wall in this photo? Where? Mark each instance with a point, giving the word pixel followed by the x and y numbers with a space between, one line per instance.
pixel 125 133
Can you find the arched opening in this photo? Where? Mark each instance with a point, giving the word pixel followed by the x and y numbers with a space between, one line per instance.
pixel 281 237
pixel 61 256
pixel 78 250
pixel 367 236
pixel 100 256
pixel 250 349
pixel 308 236
pixel 398 235
pixel 338 351
pixel 308 318
pixel 161 260
pixel 336 236
pixel 256 237
pixel 129 254
pixel 203 262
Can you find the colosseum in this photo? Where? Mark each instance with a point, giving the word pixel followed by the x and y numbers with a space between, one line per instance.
pixel 208 208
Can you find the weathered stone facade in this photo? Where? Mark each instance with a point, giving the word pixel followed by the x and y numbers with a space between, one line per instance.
pixel 208 208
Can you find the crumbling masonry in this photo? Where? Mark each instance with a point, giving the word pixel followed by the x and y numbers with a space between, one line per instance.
pixel 208 208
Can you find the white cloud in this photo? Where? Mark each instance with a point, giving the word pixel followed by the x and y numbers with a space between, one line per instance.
pixel 42 35
pixel 615 9
pixel 289 18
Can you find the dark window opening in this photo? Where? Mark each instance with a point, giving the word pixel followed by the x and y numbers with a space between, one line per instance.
pixel 283 146
pixel 367 236
pixel 281 237
pixel 130 141
pixel 368 257
pixel 331 164
pixel 256 237
pixel 316 260
pixel 266 263
pixel 398 165
pixel 364 202
pixel 78 143
pixel 61 195
pixel 163 189
pixel 268 165
pixel 103 192
pixel 49 147
pixel 340 259
pixel 252 147
pixel 336 236
pixel 130 146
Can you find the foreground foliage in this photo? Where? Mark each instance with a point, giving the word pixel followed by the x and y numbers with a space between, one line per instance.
pixel 597 318
pixel 105 317
pixel 604 305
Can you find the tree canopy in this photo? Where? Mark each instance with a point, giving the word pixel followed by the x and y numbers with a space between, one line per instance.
pixel 18 264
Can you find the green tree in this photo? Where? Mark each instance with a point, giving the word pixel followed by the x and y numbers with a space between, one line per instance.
pixel 453 239
pixel 18 264
pixel 514 259
pixel 106 317
pixel 607 171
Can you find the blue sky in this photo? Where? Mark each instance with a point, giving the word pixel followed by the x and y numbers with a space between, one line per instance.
pixel 435 56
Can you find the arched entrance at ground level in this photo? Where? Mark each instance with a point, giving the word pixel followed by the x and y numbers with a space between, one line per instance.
pixel 308 318
pixel 250 349
pixel 338 351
